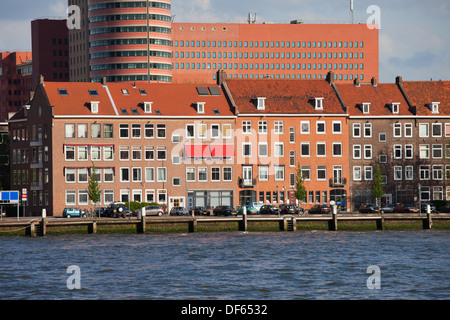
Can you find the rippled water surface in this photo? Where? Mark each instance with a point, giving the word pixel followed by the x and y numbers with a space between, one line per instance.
pixel 233 265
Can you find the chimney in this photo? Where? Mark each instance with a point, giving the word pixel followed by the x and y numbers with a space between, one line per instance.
pixel 41 79
pixel 221 77
pixel 330 77
pixel 399 80
pixel 356 82
pixel 374 81
pixel 103 81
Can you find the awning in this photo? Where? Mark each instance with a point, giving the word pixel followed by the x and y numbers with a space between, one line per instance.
pixel 197 151
pixel 222 151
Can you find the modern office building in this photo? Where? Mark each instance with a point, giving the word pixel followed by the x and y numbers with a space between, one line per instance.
pixel 137 41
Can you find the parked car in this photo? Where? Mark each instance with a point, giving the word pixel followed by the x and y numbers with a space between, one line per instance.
pixel 73 212
pixel 406 208
pixel 288 209
pixel 100 211
pixel 201 211
pixel 179 211
pixel 224 211
pixel 389 208
pixel 320 208
pixel 368 208
pixel 423 207
pixel 256 205
pixel 250 209
pixel 268 209
pixel 116 210
pixel 151 210
pixel 445 209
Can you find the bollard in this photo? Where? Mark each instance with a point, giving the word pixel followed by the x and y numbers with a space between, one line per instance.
pixel 380 223
pixel 243 222
pixel 427 222
pixel 31 230
pixel 192 225
pixel 92 227
pixel 332 223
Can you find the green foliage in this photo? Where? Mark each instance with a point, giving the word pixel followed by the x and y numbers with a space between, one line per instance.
pixel 377 187
pixel 300 189
pixel 94 191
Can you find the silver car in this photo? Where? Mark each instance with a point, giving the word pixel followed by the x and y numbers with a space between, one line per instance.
pixel 152 210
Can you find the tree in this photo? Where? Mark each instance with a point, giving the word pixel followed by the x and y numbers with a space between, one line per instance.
pixel 377 188
pixel 300 192
pixel 94 191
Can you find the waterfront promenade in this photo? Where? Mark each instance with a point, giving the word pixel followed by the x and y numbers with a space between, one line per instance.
pixel 37 226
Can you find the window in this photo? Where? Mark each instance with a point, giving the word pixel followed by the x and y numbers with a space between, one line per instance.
pixel 161 131
pixel 368 173
pixel 136 153
pixel 200 107
pixel 278 127
pixel 247 149
pixel 409 173
pixel 202 130
pixel 109 196
pixel 124 174
pixel 397 151
pixel 215 131
pixel 408 130
pixel 227 174
pixel 424 172
pixel 304 148
pixel 94 106
pixel 436 129
pixel 279 173
pixel 263 149
pixel 438 172
pixel 337 127
pixel 149 174
pixel 190 131
pixel 135 131
pixel 70 130
pixel 279 149
pixel 292 135
pixel 149 131
pixel 96 153
pixel 226 129
pixel 82 130
pixel 71 197
pixel 438 193
pixel 398 172
pixel 148 107
pixel 435 107
pixel 356 130
pixel 397 130
pixel 202 174
pixel 321 149
pixel 424 151
pixel 162 175
pixel 108 175
pixel 82 153
pixel 70 153
pixel 382 137
pixel 423 130
pixel 136 174
pixel 409 151
pixel 304 127
pixel 357 173
pixel 246 127
pixel 306 172
pixel 262 127
pixel 318 104
pixel 215 174
pixel 320 127
pixel 356 151
pixel 261 103
pixel 263 173
pixel 123 131
pixel 425 194
pixel 176 181
pixel 70 175
pixel 337 149
pixel 365 108
pixel 124 153
pixel 367 151
pixel 190 174
pixel 321 172
pixel 149 153
pixel 161 153
pixel 395 107
pixel 367 130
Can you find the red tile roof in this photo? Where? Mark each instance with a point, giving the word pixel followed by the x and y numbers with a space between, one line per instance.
pixel 380 98
pixel 423 93
pixel 284 96
pixel 169 99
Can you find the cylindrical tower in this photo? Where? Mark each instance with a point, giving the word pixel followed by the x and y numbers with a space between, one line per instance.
pixel 130 40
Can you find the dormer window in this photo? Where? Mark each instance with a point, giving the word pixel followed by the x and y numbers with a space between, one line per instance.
pixel 319 104
pixel 148 107
pixel 94 106
pixel 366 108
pixel 200 107
pixel 395 107
pixel 261 103
pixel 435 107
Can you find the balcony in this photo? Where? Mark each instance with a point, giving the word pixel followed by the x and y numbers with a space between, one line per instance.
pixel 338 182
pixel 246 183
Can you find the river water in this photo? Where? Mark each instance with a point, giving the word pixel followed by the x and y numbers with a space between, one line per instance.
pixel 228 266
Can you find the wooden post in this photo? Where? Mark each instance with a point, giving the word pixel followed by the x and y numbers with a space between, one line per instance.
pixel 332 223
pixel 243 223
pixel 380 223
pixel 427 222
pixel 192 225
pixel 294 224
pixel 283 224
pixel 31 230
pixel 43 227
pixel 92 227
pixel 140 226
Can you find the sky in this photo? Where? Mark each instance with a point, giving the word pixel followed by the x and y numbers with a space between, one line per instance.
pixel 414 34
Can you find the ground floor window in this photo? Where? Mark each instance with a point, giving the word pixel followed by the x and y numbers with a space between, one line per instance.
pixel 210 198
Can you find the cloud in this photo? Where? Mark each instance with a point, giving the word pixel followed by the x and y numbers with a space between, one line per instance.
pixel 15 35
pixel 59 9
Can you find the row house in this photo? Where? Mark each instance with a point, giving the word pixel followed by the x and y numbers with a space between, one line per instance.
pixel 282 127
pixel 171 144
pixel 404 129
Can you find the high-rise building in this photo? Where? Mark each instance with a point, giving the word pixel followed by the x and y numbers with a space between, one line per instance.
pixel 79 44
pixel 137 41
pixel 130 41
pixel 50 47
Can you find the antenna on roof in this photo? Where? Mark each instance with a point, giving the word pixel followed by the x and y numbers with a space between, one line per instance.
pixel 249 19
pixel 351 9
